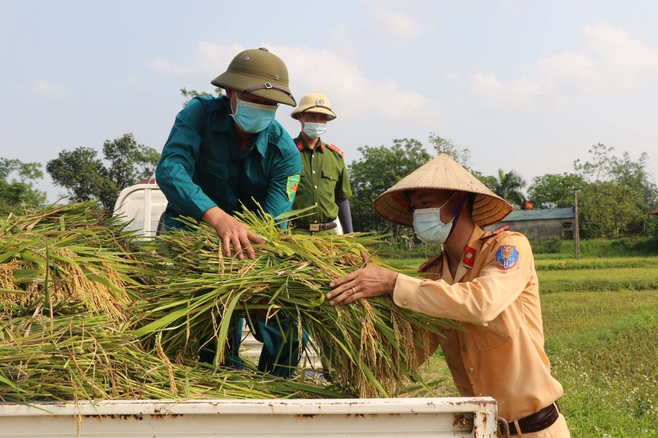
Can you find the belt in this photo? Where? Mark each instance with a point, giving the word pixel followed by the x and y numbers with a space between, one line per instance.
pixel 315 227
pixel 535 422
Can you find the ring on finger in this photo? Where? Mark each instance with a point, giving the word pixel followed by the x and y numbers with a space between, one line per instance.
pixel 353 290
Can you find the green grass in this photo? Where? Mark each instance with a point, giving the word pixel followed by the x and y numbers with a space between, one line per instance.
pixel 601 326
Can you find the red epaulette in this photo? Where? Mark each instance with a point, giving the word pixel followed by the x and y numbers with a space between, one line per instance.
pixel 335 148
pixel 300 145
pixel 489 234
pixel 429 263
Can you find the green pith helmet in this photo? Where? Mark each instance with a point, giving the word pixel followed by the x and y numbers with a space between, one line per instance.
pixel 314 103
pixel 257 72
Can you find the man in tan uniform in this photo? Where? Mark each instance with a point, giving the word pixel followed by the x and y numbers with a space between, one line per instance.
pixel 486 281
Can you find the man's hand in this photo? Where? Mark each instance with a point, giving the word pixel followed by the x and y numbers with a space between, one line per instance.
pixel 232 232
pixel 370 281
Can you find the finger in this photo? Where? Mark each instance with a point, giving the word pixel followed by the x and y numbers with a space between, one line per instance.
pixel 249 249
pixel 238 248
pixel 254 237
pixel 365 256
pixel 342 280
pixel 226 246
pixel 341 295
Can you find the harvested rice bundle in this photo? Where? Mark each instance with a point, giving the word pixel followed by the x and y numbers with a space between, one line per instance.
pixel 67 254
pixel 85 356
pixel 367 347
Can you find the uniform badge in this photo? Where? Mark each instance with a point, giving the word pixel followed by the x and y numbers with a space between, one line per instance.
pixel 507 256
pixel 469 256
pixel 291 187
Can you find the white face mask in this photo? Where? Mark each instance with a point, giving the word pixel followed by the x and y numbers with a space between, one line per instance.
pixel 428 225
pixel 314 130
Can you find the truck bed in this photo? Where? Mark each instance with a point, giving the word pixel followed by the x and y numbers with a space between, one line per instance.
pixel 376 418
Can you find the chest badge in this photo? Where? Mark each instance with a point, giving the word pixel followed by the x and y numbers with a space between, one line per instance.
pixel 469 256
pixel 507 256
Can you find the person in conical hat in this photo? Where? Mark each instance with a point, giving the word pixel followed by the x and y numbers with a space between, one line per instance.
pixel 484 281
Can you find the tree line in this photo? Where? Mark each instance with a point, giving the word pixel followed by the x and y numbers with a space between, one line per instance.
pixel 615 193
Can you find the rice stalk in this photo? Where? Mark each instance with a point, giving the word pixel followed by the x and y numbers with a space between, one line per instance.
pixel 368 347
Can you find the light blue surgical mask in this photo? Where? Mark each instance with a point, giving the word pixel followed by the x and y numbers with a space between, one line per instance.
pixel 315 130
pixel 429 227
pixel 253 117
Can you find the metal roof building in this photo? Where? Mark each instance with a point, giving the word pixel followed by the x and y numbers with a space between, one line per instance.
pixel 549 223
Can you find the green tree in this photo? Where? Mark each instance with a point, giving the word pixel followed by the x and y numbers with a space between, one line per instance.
pixel 619 194
pixel 88 177
pixel 191 94
pixel 379 169
pixel 446 146
pixel 19 195
pixel 509 186
pixel 554 191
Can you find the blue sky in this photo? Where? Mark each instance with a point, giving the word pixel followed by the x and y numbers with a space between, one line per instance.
pixel 524 85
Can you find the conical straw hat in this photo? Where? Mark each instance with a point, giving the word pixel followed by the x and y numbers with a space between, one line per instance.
pixel 441 173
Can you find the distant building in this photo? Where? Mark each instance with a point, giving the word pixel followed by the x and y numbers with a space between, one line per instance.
pixel 549 223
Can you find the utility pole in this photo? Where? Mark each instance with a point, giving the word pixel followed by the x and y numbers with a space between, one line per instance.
pixel 576 231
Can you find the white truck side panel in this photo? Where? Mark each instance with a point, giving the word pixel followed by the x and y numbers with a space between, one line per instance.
pixel 141 205
pixel 394 417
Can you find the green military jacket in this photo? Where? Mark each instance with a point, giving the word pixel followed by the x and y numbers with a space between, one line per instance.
pixel 323 180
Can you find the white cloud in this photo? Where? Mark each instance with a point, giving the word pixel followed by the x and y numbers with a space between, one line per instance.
pixel 53 91
pixel 168 69
pixel 398 23
pixel 620 55
pixel 351 93
pixel 210 59
pixel 393 19
pixel 612 64
pixel 519 92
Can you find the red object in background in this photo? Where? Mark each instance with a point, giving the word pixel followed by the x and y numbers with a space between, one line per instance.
pixel 528 206
pixel 147 181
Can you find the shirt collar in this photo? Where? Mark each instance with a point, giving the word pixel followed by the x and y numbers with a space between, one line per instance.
pixel 301 144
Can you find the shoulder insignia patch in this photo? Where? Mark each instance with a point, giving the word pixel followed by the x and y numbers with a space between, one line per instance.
pixel 429 263
pixel 488 234
pixel 507 256
pixel 291 187
pixel 300 146
pixel 335 148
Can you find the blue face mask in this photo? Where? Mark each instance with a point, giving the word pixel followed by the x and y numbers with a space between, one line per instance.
pixel 253 117
pixel 428 225
pixel 315 130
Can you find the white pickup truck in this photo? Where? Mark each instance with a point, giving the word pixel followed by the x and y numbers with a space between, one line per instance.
pixel 142 204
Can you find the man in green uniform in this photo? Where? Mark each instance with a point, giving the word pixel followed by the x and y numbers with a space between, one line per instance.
pixel 324 182
pixel 226 152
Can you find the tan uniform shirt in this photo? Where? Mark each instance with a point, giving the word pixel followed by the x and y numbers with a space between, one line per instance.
pixel 495 297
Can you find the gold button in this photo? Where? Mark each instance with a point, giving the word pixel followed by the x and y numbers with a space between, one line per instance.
pixel 470 369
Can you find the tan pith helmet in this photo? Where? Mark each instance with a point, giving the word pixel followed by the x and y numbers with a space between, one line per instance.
pixel 258 72
pixel 314 103
pixel 441 173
